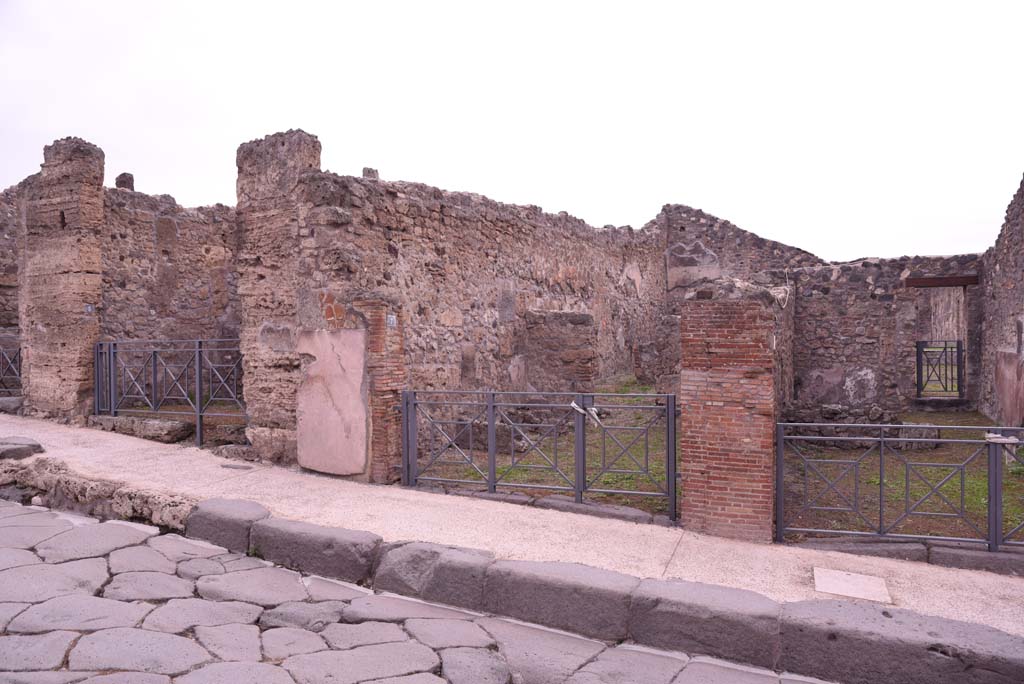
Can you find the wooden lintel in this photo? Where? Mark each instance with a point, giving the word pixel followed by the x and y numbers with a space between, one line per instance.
pixel 943 281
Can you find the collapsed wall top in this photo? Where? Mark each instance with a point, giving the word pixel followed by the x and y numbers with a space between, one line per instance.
pixel 73 158
pixel 271 166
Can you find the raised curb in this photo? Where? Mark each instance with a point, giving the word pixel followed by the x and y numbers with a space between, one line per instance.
pixel 315 549
pixel 225 522
pixel 443 574
pixel 966 556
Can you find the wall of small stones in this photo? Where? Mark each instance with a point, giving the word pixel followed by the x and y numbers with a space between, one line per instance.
pixel 8 268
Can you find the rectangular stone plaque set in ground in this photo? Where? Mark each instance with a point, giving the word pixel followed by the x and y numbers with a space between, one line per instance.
pixel 847 641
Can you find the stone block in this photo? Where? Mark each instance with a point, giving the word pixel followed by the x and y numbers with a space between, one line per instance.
pixel 860 643
pixel 734 624
pixel 11 404
pixel 19 447
pixel 568 596
pixel 315 549
pixel 156 429
pixel 225 522
pixel 444 574
pixel 912 551
pixel 567 504
pixel 1002 562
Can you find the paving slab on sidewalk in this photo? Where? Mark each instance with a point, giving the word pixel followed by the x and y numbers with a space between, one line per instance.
pixel 518 532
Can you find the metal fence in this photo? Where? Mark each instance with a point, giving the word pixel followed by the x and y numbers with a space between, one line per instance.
pixel 620 445
pixel 10 372
pixel 169 378
pixel 940 368
pixel 926 482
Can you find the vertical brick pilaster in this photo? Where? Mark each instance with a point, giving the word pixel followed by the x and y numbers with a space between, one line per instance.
pixel 728 399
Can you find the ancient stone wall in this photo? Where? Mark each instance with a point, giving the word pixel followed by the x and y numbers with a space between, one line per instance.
pixel 1002 383
pixel 8 268
pixel 168 272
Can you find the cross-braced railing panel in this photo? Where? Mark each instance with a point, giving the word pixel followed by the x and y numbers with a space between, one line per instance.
pixel 172 378
pixel 10 372
pixel 901 481
pixel 940 369
pixel 562 442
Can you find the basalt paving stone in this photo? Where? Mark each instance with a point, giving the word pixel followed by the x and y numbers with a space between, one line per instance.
pixel 28 535
pixel 448 633
pixel 37 583
pixel 264 586
pixel 624 665
pixel 8 611
pixel 283 642
pixel 14 558
pixel 312 616
pixel 36 651
pixel 541 656
pixel 89 541
pixel 232 642
pixel 176 548
pixel 140 559
pixel 12 510
pixel 148 586
pixel 245 563
pixel 362 664
pixel 199 567
pixel 34 518
pixel 392 609
pixel 323 589
pixel 129 678
pixel 79 612
pixel 711 671
pixel 237 673
pixel 421 678
pixel 474 666
pixel 44 677
pixel 137 650
pixel 180 614
pixel 346 636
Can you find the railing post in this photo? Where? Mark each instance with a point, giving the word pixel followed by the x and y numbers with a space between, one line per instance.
pixel 920 369
pixel 995 496
pixel 670 455
pixel 413 440
pixel 780 482
pixel 112 377
pixel 404 409
pixel 881 481
pixel 492 445
pixel 580 448
pixel 96 378
pixel 153 391
pixel 960 368
pixel 199 392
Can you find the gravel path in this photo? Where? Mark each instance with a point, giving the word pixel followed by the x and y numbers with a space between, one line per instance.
pixel 118 603
pixel 517 532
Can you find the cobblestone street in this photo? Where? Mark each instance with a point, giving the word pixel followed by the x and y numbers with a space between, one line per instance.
pixel 118 603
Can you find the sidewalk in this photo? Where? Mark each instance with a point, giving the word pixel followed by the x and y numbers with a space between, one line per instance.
pixel 518 532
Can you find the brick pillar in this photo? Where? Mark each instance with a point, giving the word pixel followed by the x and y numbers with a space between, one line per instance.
pixel 728 399
pixel 60 279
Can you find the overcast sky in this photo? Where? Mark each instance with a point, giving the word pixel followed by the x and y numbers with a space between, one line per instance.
pixel 849 129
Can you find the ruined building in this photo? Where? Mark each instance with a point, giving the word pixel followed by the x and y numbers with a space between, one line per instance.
pixel 343 291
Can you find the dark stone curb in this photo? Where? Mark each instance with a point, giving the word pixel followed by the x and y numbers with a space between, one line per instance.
pixel 848 641
pixel 565 504
pixel 948 554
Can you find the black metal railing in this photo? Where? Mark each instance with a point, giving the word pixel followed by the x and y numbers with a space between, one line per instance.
pixel 607 444
pixel 168 378
pixel 10 372
pixel 925 482
pixel 940 368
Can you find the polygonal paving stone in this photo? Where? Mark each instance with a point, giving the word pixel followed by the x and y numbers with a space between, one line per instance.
pixel 232 642
pixel 323 589
pixel 365 663
pixel 148 586
pixel 15 558
pixel 34 517
pixel 712 671
pixel 199 567
pixel 265 586
pixel 283 642
pixel 419 678
pixel 79 520
pixel 474 666
pixel 140 559
pixel 392 609
pixel 363 634
pixel 44 677
pixel 79 612
pixel 541 656
pixel 35 531
pixel 12 510
pixel 176 548
pixel 35 652
pixel 448 633
pixel 8 611
pixel 36 583
pixel 129 678
pixel 180 614
pixel 237 673
pixel 235 562
pixel 624 665
pixel 136 649
pixel 89 541
pixel 312 616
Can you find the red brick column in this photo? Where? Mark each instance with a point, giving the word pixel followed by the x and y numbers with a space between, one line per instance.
pixel 727 396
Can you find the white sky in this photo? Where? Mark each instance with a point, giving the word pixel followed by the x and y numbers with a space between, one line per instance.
pixel 849 129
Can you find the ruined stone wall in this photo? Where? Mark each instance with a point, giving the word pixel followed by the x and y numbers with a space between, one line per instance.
pixel 461 272
pixel 1002 389
pixel 8 268
pixel 168 272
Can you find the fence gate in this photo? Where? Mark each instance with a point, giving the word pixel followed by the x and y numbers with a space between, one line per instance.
pixel 940 368
pixel 612 444
pixel 10 372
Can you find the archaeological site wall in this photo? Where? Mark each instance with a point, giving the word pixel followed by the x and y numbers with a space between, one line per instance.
pixel 8 269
